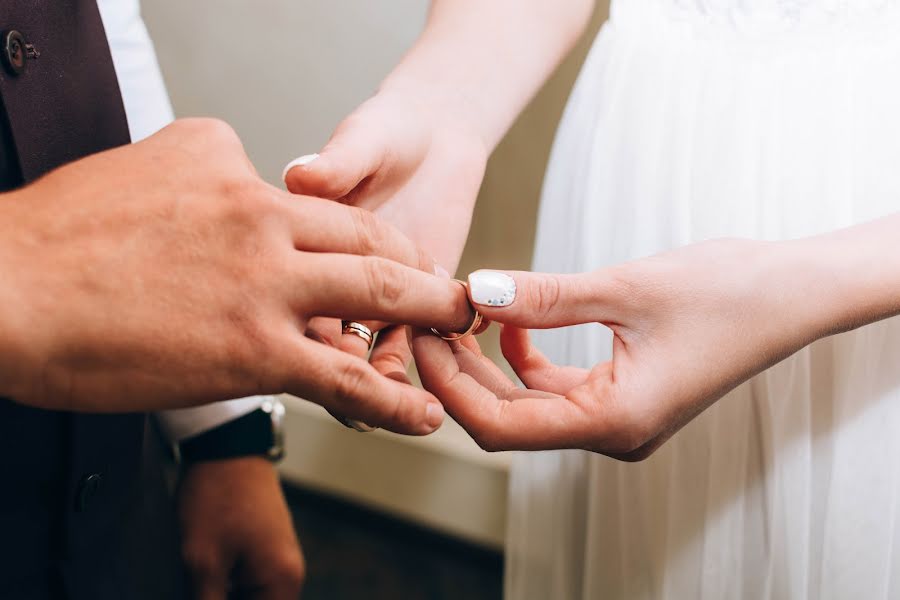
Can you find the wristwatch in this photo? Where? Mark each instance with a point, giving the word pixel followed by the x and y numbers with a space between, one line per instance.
pixel 258 433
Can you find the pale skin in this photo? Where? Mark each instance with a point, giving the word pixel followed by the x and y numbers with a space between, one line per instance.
pixel 688 326
pixel 471 71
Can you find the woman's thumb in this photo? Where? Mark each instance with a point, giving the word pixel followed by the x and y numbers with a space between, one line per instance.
pixel 351 156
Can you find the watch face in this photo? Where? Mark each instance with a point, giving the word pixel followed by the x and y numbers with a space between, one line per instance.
pixel 276 412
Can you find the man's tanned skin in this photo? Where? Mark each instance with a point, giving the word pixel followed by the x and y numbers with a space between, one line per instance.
pixel 168 274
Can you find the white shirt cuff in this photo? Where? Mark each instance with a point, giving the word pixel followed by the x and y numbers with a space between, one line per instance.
pixel 184 423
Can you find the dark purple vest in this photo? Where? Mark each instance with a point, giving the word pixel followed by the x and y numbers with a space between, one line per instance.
pixel 68 482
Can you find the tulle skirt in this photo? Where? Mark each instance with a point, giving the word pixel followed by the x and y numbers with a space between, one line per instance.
pixel 684 127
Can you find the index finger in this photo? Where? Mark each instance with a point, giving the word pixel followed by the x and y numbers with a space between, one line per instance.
pixel 376 289
pixel 538 421
pixel 319 225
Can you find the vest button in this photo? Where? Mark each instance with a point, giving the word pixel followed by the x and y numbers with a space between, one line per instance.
pixel 13 53
pixel 87 490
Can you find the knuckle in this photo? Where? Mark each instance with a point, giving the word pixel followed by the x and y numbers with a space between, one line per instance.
pixel 392 359
pixel 387 282
pixel 352 384
pixel 215 131
pixel 368 230
pixel 201 136
pixel 235 197
pixel 246 206
pixel 545 295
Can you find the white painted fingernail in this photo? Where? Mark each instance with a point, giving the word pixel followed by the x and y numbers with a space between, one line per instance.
pixel 492 288
pixel 298 162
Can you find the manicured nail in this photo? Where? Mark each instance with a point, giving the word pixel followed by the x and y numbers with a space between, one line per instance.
pixel 492 288
pixel 298 162
pixel 441 271
pixel 434 414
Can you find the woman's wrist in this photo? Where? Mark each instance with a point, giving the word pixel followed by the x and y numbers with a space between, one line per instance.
pixel 849 278
pixel 447 111
pixel 482 63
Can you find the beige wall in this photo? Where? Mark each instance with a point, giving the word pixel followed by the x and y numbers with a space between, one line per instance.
pixel 284 73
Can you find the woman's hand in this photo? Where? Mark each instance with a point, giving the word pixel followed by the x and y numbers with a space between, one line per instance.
pixel 416 167
pixel 688 327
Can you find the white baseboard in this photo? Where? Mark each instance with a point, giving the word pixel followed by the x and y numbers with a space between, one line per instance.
pixel 442 481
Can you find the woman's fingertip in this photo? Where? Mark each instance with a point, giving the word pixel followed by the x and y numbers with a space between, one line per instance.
pixel 492 288
pixel 301 161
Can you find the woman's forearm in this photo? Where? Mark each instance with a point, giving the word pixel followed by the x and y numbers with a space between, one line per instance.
pixel 853 275
pixel 483 61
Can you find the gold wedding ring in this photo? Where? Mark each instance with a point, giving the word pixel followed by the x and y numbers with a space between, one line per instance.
pixel 364 333
pixel 476 322
pixel 360 331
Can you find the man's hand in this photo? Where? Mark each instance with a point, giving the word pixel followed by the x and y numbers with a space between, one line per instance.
pixel 237 531
pixel 167 274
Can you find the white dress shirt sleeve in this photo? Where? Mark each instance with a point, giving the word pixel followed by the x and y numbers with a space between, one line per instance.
pixel 185 423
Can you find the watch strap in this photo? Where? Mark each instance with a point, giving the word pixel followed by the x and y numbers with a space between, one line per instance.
pixel 249 435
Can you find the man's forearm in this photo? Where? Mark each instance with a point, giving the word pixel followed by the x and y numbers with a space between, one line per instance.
pixel 483 61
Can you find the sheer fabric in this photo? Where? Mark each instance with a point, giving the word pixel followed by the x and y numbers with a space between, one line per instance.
pixel 765 119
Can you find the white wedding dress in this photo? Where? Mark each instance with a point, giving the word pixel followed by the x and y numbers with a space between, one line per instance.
pixel 695 119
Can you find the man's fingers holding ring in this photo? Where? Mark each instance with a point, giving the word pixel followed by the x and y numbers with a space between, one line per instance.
pixel 474 328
